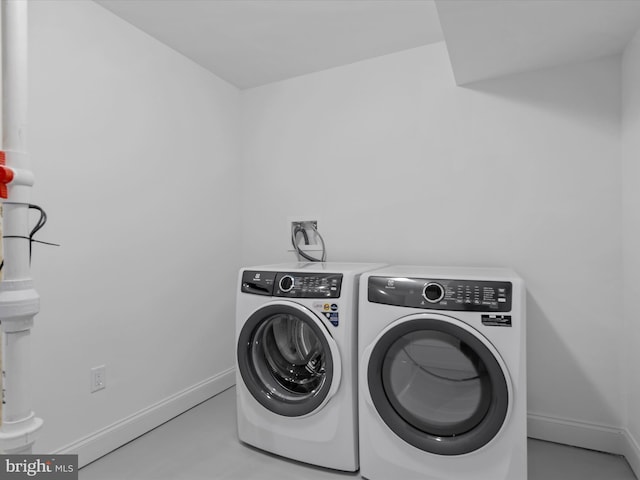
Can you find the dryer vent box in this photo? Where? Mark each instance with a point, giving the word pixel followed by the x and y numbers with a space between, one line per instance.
pixel 294 223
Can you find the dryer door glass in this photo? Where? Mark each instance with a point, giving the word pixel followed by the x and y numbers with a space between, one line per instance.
pixel 285 360
pixel 438 386
pixel 436 382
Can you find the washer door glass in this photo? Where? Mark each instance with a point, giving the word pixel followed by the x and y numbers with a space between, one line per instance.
pixel 285 359
pixel 438 386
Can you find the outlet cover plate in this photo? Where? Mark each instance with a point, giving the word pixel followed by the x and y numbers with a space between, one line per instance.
pixel 98 378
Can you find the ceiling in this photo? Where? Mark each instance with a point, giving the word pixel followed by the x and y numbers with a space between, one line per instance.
pixel 492 38
pixel 255 42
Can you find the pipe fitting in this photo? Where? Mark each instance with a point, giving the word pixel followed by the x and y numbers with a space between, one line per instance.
pixel 14 180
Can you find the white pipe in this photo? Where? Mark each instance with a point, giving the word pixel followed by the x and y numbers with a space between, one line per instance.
pixel 14 75
pixel 14 129
pixel 19 302
pixel 19 344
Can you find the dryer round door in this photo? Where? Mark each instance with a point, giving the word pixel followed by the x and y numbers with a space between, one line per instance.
pixel 288 360
pixel 438 384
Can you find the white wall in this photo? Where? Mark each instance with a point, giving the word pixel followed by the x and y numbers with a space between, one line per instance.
pixel 402 166
pixel 135 153
pixel 397 163
pixel 631 230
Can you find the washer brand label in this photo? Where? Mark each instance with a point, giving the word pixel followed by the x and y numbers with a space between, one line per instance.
pixel 330 311
pixel 326 307
pixel 332 317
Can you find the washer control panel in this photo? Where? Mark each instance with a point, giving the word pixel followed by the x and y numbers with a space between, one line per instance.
pixel 307 285
pixel 292 284
pixel 441 294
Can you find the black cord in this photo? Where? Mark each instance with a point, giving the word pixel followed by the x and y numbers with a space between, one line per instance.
pixel 39 224
pixel 33 240
pixel 298 230
pixel 294 241
pixel 308 257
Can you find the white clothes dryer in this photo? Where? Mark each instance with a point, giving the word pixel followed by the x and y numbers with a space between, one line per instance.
pixel 442 374
pixel 296 355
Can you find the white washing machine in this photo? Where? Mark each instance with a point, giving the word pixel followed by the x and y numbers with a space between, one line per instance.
pixel 442 374
pixel 296 379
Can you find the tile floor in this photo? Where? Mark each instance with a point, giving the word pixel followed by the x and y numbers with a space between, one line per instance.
pixel 202 444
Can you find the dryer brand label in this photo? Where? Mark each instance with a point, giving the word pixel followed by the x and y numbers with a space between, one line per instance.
pixel 496 320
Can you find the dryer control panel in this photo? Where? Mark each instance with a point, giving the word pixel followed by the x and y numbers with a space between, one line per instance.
pixel 441 294
pixel 292 284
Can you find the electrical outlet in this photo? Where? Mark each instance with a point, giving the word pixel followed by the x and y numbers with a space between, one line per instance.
pixel 314 242
pixel 98 378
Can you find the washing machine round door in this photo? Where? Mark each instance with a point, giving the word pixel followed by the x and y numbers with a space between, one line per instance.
pixel 288 360
pixel 438 384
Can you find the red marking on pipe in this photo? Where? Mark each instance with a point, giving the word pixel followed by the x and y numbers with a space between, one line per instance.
pixel 6 176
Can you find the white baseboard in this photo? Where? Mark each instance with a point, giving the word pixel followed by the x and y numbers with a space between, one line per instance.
pixel 107 439
pixel 618 441
pixel 632 452
pixel 579 434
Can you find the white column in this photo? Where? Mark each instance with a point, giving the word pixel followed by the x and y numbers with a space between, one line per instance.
pixel 19 302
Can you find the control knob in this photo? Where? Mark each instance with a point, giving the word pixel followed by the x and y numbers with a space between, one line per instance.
pixel 286 283
pixel 433 292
